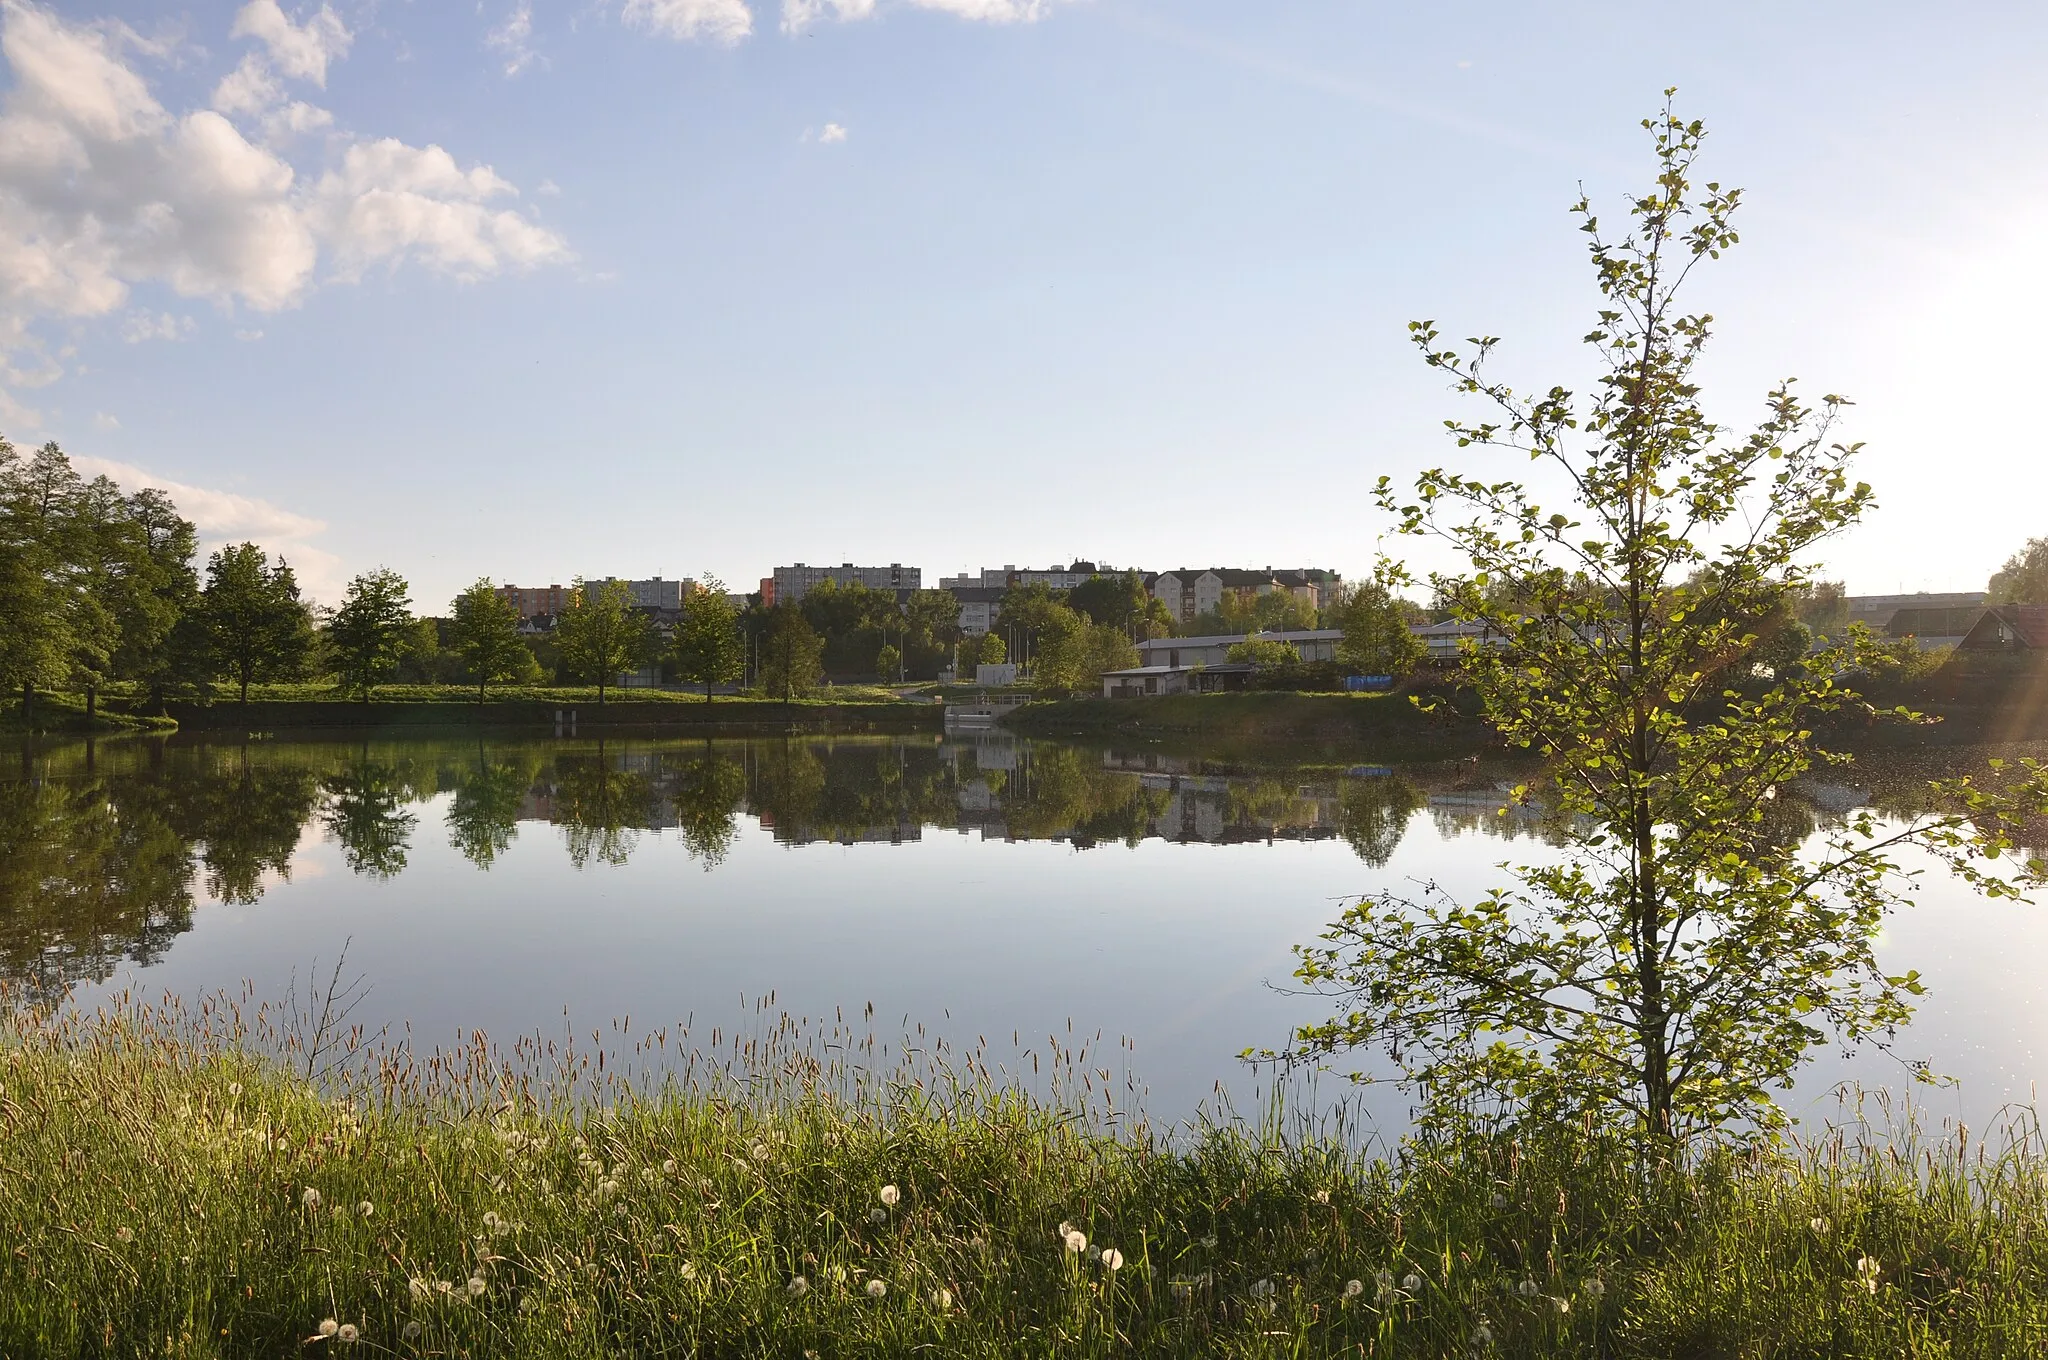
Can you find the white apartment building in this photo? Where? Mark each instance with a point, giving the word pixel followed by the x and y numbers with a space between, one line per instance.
pixel 1188 593
pixel 793 583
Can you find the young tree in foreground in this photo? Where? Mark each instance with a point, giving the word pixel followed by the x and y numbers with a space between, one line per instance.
pixel 1376 637
pixel 486 632
pixel 371 629
pixel 707 648
pixel 1265 653
pixel 792 656
pixel 600 633
pixel 1680 960
pixel 257 627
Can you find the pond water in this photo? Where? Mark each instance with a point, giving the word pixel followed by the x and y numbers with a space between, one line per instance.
pixel 980 886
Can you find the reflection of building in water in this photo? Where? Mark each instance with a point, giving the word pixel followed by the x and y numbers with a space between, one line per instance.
pixel 902 833
pixel 1491 810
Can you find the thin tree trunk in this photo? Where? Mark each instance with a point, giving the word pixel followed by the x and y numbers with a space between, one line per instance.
pixel 92 703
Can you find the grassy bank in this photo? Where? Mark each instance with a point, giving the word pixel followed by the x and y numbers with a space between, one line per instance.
pixel 1386 724
pixel 65 713
pixel 167 1195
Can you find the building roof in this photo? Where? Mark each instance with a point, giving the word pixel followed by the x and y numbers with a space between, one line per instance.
pixel 2028 624
pixel 1229 639
pixel 1221 668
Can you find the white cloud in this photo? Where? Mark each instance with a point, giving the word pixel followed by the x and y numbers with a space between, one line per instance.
pixel 833 132
pixel 720 21
pixel 102 421
pixel 547 188
pixel 514 38
pixel 230 517
pixel 301 51
pixel 248 335
pixel 103 189
pixel 139 326
pixel 798 15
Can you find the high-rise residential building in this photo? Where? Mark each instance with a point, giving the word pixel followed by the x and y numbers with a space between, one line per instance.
pixel 534 601
pixel 795 582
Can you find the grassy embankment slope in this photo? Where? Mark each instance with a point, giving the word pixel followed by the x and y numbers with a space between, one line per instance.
pixel 170 1196
pixel 1384 724
pixel 1971 699
pixel 301 707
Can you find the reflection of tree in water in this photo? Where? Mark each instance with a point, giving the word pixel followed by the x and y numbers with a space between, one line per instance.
pixel 706 792
pixel 91 873
pixel 602 809
pixel 366 816
pixel 248 819
pixel 1373 815
pixel 1064 790
pixel 483 816
pixel 845 791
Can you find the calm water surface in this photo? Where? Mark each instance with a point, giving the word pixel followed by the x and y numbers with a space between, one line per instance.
pixel 981 886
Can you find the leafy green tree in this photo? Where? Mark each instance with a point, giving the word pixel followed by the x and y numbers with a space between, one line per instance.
pixel 931 625
pixel 160 593
pixel 257 627
pixel 484 627
pixel 889 663
pixel 1265 653
pixel 1823 606
pixel 1678 962
pixel 707 647
pixel 1377 640
pixel 2024 577
pixel 792 656
pixel 1074 654
pixel 600 633
pixel 371 629
pixel 1113 601
pixel 39 583
pixel 991 652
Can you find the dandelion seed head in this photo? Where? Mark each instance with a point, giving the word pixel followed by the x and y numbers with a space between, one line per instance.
pixel 234 1088
pixel 1077 1241
pixel 942 1299
pixel 1113 1259
pixel 346 1334
pixel 760 1151
pixel 1094 1253
pixel 1262 1289
pixel 1527 1289
pixel 876 1289
pixel 1818 1225
pixel 1562 1305
pixel 311 1199
pixel 1064 1228
pixel 669 1167
pixel 1353 1288
pixel 1499 1201
pixel 1208 1244
pixel 1482 1335
pixel 891 1195
pixel 411 1332
pixel 477 1286
pixel 689 1270
pixel 418 1288
pixel 878 1215
pixel 1411 1282
pixel 1594 1288
pixel 329 1327
pixel 799 1287
pixel 366 1209
pixel 1182 1290
pixel 1322 1197
pixel 125 1234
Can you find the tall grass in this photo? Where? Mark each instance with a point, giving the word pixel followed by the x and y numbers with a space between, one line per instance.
pixel 233 1180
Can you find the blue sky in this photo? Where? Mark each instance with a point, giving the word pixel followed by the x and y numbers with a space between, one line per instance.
pixel 672 286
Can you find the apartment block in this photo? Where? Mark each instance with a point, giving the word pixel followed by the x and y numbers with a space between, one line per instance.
pixel 792 583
